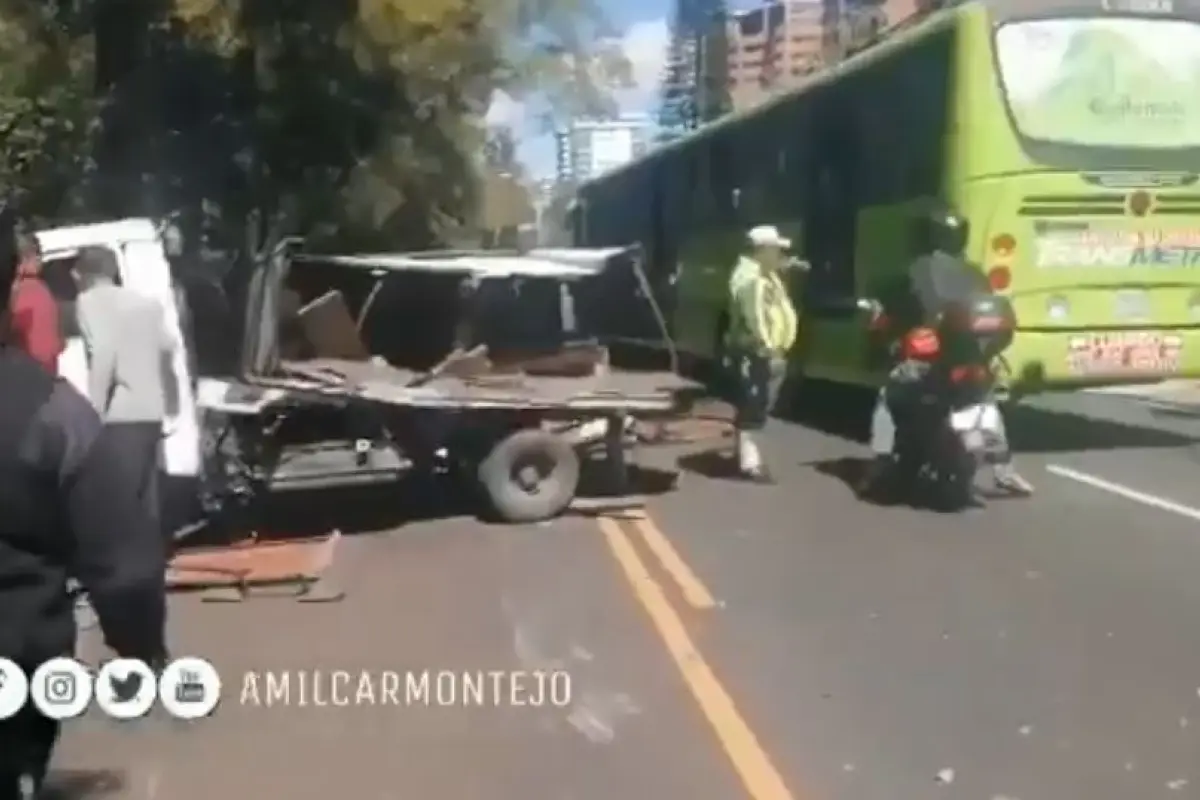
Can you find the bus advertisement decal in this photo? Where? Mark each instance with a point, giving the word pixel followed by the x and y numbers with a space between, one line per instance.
pixel 1119 249
pixel 1124 353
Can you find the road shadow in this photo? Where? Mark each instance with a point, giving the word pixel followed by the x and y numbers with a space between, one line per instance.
pixel 849 470
pixel 82 784
pixel 644 480
pixel 845 412
pixel 364 510
pixel 834 409
pixel 352 510
pixel 1037 430
pixel 1171 411
pixel 367 509
pixel 717 463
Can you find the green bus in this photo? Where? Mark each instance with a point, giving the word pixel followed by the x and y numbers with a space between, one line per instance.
pixel 1067 131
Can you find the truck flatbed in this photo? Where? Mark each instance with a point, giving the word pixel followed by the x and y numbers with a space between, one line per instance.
pixel 514 363
pixel 607 391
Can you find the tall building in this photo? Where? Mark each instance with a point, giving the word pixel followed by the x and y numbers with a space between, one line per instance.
pixel 771 48
pixel 686 99
pixel 852 21
pixel 588 148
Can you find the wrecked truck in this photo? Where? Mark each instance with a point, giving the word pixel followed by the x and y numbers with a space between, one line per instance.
pixel 512 379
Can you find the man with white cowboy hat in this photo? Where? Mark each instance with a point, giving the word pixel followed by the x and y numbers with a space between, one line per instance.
pixel 763 324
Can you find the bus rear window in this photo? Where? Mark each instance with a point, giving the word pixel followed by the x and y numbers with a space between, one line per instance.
pixel 1103 82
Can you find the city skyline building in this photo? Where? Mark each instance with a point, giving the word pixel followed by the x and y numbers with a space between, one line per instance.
pixel 588 148
pixel 772 47
pixel 688 98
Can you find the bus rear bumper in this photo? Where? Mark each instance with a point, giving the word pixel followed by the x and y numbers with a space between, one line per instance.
pixel 1042 360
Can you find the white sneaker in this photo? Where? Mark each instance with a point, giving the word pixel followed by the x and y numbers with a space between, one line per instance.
pixel 1009 480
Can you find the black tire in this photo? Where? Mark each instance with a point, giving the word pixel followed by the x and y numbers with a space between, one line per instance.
pixel 551 457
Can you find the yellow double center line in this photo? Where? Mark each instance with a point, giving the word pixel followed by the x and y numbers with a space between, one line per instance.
pixel 758 774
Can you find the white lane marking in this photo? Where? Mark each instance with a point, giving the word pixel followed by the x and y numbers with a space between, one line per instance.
pixel 1154 501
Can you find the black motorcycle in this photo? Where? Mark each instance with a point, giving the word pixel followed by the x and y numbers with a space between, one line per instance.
pixel 947 421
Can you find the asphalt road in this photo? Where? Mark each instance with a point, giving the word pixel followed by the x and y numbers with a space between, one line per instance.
pixel 779 643
pixel 1035 648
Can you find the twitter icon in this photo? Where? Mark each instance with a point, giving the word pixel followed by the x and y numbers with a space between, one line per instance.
pixel 126 688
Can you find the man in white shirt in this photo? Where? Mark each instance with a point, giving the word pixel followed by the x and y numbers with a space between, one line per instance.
pixel 129 351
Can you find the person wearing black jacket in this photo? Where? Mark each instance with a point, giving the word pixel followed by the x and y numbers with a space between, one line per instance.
pixel 941 276
pixel 68 510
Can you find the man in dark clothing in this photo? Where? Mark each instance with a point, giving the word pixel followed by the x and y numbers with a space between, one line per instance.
pixel 68 509
pixel 34 312
pixel 933 281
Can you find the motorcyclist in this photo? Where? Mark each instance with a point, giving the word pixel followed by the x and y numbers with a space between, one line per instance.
pixel 940 276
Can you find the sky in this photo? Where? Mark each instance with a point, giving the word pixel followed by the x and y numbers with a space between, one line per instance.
pixel 645 31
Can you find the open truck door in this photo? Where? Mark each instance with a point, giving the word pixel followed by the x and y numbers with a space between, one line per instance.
pixel 258 349
pixel 260 332
pixel 143 267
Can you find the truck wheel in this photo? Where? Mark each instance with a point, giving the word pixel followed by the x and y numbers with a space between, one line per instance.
pixel 529 476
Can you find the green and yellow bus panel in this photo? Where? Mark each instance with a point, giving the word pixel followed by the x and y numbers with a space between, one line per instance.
pixel 1067 132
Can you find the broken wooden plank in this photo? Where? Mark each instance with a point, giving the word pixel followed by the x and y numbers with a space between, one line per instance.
pixel 606 506
pixel 319 374
pixel 331 330
pixel 573 360
pixel 456 358
pixel 252 567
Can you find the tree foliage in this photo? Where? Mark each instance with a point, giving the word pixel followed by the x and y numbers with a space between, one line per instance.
pixel 360 120
pixel 47 107
pixel 557 218
pixel 505 201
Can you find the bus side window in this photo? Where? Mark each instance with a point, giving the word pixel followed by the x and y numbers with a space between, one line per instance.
pixel 903 109
pixel 843 154
pixel 754 161
pixel 721 170
pixel 657 253
pixel 790 188
pixel 702 206
pixel 830 212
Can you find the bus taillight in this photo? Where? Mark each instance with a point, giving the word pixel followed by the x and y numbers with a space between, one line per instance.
pixel 1003 244
pixel 999 278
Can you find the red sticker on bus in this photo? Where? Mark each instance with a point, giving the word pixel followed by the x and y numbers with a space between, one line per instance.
pixel 1124 353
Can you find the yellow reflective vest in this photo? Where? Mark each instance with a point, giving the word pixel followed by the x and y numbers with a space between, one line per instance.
pixel 762 318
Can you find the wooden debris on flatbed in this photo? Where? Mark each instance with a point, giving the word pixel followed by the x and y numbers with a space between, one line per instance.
pixel 572 360
pixel 459 362
pixel 330 329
